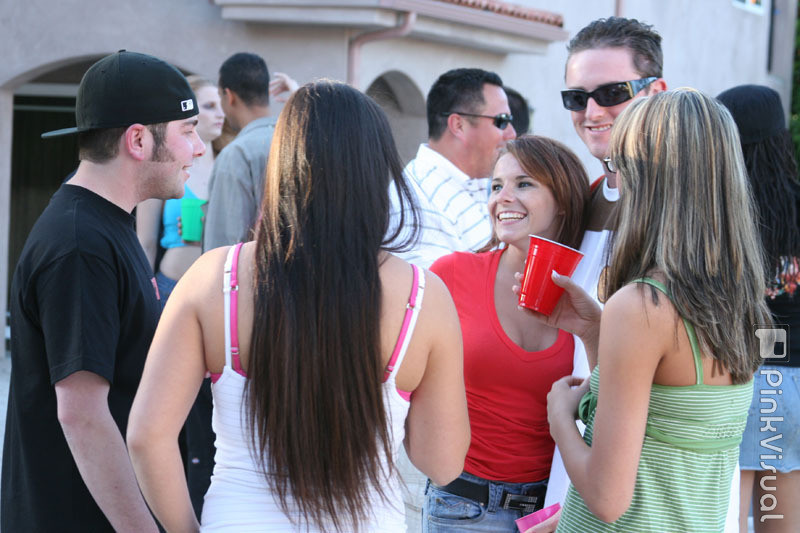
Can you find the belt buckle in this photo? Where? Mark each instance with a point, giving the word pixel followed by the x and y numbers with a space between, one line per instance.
pixel 519 502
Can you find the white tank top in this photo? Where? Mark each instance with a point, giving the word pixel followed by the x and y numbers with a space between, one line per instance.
pixel 239 498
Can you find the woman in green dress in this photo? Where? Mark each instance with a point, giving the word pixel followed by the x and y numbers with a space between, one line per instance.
pixel 674 351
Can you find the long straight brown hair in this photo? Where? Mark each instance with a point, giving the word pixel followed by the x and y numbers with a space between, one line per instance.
pixel 314 393
pixel 686 211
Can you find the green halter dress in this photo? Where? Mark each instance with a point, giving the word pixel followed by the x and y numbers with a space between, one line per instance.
pixel 689 452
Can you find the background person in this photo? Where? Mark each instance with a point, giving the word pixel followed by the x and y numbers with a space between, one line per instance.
pixel 769 157
pixel 312 405
pixel 673 353
pixel 469 122
pixel 510 359
pixel 237 180
pixel 521 111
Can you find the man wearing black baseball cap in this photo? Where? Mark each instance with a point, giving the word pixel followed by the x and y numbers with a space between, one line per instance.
pixel 84 304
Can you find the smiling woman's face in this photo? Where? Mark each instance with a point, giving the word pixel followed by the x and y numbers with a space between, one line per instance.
pixel 520 205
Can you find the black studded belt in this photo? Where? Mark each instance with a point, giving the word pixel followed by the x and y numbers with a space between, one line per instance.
pixel 529 501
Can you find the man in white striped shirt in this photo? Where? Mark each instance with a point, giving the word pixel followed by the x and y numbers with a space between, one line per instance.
pixel 469 121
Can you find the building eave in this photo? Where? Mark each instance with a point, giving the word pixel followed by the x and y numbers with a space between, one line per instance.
pixel 495 31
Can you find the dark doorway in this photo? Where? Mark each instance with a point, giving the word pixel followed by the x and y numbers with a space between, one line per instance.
pixel 38 166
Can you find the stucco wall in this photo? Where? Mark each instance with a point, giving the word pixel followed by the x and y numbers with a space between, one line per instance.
pixel 711 45
pixel 708 45
pixel 38 36
pixel 188 33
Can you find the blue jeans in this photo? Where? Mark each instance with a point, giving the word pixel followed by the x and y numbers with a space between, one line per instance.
pixel 444 512
pixel 770 380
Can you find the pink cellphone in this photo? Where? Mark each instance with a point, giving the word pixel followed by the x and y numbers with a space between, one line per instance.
pixel 530 520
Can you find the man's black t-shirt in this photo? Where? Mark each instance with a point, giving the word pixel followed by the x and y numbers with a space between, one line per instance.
pixel 83 297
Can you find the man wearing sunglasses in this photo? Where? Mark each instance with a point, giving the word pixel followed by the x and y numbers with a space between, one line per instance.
pixel 469 121
pixel 610 63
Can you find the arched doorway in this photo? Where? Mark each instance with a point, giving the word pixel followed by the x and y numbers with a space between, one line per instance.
pixel 404 105
pixel 39 166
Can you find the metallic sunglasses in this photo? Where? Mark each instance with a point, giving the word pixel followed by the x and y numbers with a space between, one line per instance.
pixel 607 95
pixel 501 121
pixel 610 166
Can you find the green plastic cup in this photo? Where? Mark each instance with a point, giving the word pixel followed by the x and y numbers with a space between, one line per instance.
pixel 192 219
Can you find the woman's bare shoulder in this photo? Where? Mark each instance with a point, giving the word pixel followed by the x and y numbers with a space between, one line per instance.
pixel 639 303
pixel 398 274
pixel 204 277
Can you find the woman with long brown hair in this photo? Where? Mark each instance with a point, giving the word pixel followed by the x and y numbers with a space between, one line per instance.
pixel 316 341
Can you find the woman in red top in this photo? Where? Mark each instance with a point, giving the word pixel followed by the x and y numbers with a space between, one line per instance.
pixel 510 359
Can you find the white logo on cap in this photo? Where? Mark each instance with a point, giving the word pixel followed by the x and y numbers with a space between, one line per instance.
pixel 187 105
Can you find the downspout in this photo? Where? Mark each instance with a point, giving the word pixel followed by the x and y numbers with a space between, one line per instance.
pixel 354 49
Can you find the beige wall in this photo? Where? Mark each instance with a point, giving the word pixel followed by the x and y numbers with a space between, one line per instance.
pixel 187 33
pixel 711 45
pixel 38 36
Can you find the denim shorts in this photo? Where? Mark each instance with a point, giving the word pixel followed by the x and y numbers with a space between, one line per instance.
pixel 444 512
pixel 778 388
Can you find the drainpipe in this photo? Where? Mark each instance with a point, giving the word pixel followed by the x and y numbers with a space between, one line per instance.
pixel 354 49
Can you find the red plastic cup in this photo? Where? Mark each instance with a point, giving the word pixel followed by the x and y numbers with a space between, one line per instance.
pixel 538 292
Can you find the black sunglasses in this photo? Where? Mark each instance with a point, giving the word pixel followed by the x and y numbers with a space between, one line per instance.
pixel 501 121
pixel 607 95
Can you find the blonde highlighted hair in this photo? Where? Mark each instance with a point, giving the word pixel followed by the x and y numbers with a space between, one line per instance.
pixel 686 211
pixel 198 82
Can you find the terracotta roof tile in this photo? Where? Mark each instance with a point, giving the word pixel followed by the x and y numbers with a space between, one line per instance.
pixel 511 10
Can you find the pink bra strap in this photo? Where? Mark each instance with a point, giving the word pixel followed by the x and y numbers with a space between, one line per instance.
pixel 412 302
pixel 237 364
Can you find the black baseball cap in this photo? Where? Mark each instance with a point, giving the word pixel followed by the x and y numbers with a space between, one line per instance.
pixel 757 111
pixel 130 88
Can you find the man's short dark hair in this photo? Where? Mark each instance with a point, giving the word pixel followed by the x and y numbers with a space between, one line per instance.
pixel 520 110
pixel 246 74
pixel 617 32
pixel 459 89
pixel 101 146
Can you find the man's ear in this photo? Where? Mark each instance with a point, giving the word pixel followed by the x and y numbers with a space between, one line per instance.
pixel 456 125
pixel 229 96
pixel 658 86
pixel 137 142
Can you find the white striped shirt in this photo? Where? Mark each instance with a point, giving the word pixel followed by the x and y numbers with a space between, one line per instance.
pixel 453 212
